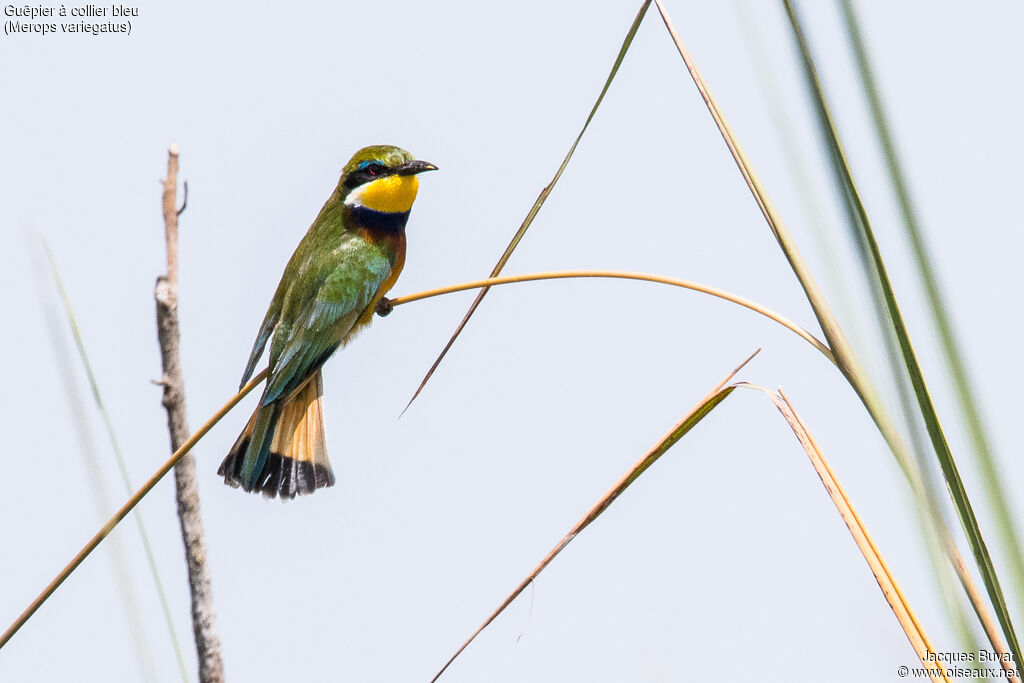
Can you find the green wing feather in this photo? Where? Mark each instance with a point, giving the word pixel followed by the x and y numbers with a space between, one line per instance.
pixel 311 328
pixel 318 309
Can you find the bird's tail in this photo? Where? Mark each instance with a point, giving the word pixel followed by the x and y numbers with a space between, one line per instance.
pixel 281 451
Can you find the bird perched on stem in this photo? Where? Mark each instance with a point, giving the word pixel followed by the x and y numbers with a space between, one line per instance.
pixel 342 268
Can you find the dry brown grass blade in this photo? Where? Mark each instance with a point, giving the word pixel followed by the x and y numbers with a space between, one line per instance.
pixel 705 406
pixel 538 203
pixel 845 357
pixel 128 507
pixel 883 575
pixel 621 275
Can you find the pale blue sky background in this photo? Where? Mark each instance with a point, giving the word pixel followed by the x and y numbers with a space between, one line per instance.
pixel 725 560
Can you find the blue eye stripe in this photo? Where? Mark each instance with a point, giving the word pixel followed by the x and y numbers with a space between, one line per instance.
pixel 364 164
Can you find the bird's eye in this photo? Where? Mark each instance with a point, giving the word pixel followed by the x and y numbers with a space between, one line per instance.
pixel 374 169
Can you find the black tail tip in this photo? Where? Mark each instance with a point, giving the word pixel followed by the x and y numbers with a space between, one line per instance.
pixel 280 476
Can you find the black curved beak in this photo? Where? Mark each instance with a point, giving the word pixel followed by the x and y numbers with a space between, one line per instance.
pixel 414 167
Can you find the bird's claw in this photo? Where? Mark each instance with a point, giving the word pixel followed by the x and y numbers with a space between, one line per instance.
pixel 384 306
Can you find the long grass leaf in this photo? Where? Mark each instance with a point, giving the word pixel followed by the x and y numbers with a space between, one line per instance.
pixel 705 406
pixel 125 509
pixel 827 250
pixel 826 247
pixel 845 357
pixel 624 275
pixel 791 146
pixel 118 456
pixel 846 360
pixel 541 198
pixel 135 620
pixel 999 500
pixel 954 483
pixel 883 575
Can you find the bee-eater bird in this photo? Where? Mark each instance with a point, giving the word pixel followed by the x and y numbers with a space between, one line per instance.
pixel 345 264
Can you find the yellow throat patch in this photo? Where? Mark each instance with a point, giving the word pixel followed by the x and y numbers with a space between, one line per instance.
pixel 391 194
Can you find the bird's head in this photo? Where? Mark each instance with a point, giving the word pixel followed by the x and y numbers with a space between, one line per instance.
pixel 382 178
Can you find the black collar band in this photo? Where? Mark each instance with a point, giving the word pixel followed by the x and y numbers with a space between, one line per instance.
pixel 380 221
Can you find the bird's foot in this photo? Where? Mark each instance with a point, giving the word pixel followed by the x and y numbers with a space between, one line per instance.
pixel 384 306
